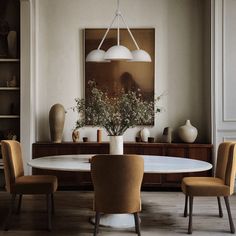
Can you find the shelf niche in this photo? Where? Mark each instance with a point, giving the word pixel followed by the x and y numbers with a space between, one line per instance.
pixel 10 71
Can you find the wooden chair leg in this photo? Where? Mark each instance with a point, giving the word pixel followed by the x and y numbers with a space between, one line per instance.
pixel 220 208
pixel 49 210
pixel 186 206
pixel 231 223
pixel 19 204
pixel 53 206
pixel 137 223
pixel 97 220
pixel 12 203
pixel 190 214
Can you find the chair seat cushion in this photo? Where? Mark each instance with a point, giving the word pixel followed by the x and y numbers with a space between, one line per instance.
pixel 204 186
pixel 35 184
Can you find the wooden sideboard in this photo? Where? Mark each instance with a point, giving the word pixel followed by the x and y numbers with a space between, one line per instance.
pixel 78 179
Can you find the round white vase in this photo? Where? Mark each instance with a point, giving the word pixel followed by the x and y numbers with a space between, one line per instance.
pixel 187 132
pixel 116 145
pixel 144 134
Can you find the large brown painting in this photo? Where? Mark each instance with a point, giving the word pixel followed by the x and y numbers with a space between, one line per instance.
pixel 114 76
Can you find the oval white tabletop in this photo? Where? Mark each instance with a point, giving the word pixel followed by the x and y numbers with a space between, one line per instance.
pixel 152 164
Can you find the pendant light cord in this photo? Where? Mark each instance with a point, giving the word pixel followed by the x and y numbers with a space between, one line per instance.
pixel 118 15
pixel 118 22
pixel 108 29
pixel 106 32
pixel 118 29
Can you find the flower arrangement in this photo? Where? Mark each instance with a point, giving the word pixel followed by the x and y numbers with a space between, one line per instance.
pixel 115 114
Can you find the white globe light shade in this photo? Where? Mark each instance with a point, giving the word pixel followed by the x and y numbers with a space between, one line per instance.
pixel 140 56
pixel 96 55
pixel 118 52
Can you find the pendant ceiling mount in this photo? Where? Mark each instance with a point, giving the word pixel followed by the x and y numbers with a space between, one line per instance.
pixel 118 52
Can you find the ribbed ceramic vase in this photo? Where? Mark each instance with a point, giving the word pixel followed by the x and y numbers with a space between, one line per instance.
pixel 187 132
pixel 116 145
pixel 56 122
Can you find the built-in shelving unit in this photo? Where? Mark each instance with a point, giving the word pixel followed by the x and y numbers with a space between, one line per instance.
pixel 9 60
pixel 10 71
pixel 9 116
pixel 1 164
pixel 9 74
pixel 2 179
pixel 9 88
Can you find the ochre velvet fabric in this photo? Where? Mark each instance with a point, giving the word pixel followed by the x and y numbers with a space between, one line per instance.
pixel 204 186
pixel 117 182
pixel 223 182
pixel 36 184
pixel 231 168
pixel 16 182
pixel 222 159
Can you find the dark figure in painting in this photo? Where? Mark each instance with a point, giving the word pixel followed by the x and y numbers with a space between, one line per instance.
pixel 128 83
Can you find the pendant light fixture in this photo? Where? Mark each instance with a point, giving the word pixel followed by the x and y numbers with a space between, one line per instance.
pixel 118 52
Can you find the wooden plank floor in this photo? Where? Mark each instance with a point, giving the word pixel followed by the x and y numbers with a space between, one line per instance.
pixel 162 214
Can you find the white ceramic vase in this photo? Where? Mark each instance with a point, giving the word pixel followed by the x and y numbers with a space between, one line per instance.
pixel 187 132
pixel 116 145
pixel 144 134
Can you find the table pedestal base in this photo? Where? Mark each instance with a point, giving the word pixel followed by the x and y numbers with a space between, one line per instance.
pixel 116 220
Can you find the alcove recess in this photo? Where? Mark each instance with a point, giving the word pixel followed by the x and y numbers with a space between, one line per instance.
pixel 10 69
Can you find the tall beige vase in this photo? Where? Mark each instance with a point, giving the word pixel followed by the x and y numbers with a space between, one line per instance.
pixel 56 122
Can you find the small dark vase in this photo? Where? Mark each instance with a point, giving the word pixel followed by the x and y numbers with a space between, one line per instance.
pixel 56 122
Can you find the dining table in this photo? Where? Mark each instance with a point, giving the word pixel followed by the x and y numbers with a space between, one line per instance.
pixel 152 164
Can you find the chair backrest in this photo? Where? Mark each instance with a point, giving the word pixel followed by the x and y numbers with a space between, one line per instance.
pixel 222 159
pixel 117 182
pixel 12 160
pixel 231 168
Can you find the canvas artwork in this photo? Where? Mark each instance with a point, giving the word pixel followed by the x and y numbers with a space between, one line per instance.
pixel 114 76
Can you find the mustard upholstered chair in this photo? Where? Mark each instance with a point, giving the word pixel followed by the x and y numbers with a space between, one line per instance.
pixel 18 184
pixel 117 182
pixel 222 185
